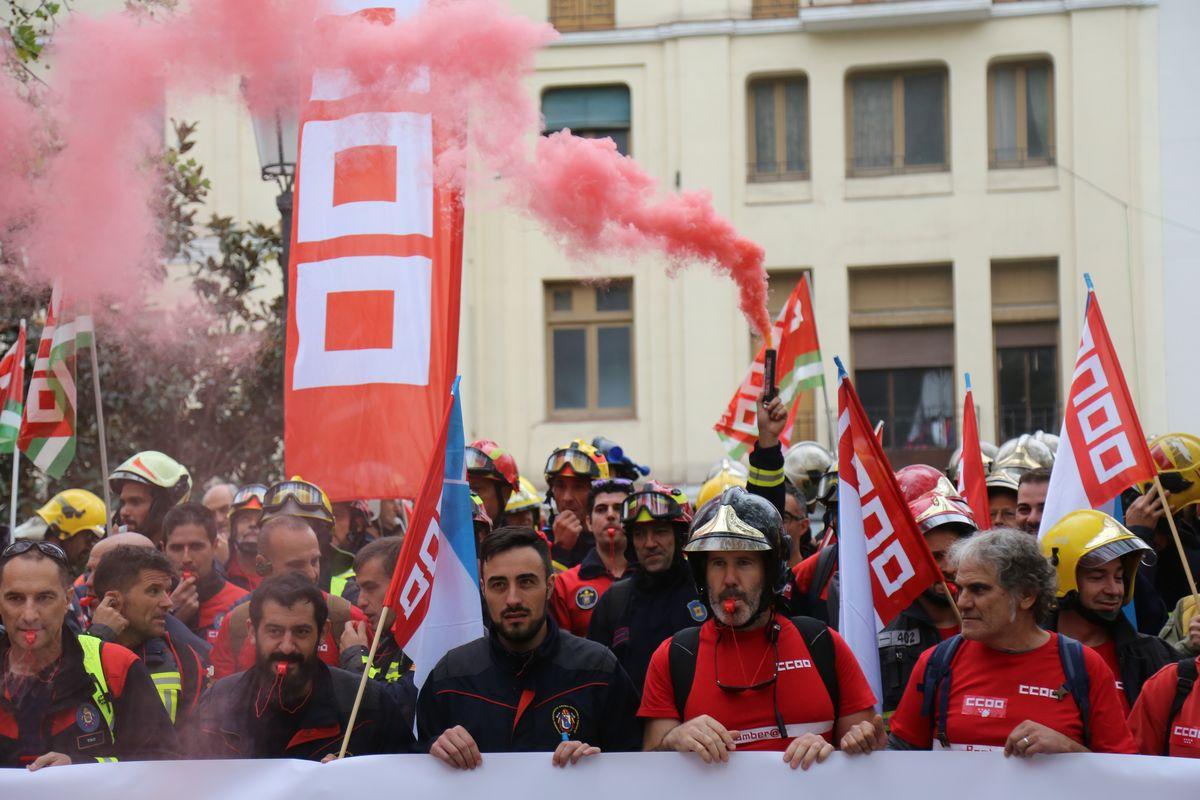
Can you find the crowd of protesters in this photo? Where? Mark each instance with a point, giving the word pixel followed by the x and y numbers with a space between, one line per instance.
pixel 620 616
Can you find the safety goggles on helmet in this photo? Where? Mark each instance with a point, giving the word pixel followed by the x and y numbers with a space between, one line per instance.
pixel 828 485
pixel 48 549
pixel 577 461
pixel 297 498
pixel 249 498
pixel 488 459
pixel 654 504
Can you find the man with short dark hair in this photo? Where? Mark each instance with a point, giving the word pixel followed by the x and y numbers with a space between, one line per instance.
pixel 577 590
pixel 286 544
pixel 67 699
pixel 528 686
pixel 203 596
pixel 373 568
pixel 1031 499
pixel 134 587
pixel 290 704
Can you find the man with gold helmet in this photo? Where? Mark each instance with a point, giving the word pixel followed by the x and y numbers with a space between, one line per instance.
pixel 569 472
pixel 804 464
pixel 1097 560
pixel 751 678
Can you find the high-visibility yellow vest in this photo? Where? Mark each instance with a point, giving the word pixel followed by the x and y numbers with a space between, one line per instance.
pixel 95 668
pixel 337 583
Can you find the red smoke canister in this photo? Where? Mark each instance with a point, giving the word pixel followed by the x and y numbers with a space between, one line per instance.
pixel 769 388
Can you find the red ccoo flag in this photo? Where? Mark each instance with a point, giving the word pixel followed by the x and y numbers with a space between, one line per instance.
pixel 1101 449
pixel 883 560
pixel 375 274
pixel 972 484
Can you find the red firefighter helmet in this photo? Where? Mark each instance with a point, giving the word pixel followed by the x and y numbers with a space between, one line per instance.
pixel 490 460
pixel 934 510
pixel 916 480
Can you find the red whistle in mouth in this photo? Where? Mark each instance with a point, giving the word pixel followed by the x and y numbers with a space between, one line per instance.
pixel 281 668
pixel 730 605
pixel 30 637
pixel 187 573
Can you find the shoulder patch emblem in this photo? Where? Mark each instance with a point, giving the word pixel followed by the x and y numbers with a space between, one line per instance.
pixel 697 610
pixel 586 597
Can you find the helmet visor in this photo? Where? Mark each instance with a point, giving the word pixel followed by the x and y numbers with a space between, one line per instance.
pixel 579 462
pixel 250 496
pixel 1119 549
pixel 299 495
pixel 479 461
pixel 658 505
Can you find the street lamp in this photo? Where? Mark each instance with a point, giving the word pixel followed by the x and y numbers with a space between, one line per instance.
pixel 277 134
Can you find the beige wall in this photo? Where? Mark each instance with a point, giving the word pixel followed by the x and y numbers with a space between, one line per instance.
pixel 687 71
pixel 688 98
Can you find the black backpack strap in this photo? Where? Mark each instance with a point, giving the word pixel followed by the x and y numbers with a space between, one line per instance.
pixel 935 686
pixel 1185 679
pixel 1070 652
pixel 819 642
pixel 826 563
pixel 682 661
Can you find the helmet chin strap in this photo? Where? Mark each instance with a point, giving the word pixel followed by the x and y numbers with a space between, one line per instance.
pixel 1072 603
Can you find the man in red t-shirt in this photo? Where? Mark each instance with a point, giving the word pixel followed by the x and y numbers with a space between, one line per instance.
pixel 1006 687
pixel 758 681
pixel 577 590
pixel 203 596
pixel 1154 731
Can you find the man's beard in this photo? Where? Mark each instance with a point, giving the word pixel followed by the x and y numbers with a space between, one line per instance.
pixel 753 604
pixel 294 684
pixel 522 635
pixel 937 598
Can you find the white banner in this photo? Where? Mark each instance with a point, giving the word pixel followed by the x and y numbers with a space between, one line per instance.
pixel 894 776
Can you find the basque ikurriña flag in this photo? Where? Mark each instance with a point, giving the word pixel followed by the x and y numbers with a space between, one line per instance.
pixel 1101 448
pixel 972 483
pixel 883 561
pixel 375 275
pixel 434 593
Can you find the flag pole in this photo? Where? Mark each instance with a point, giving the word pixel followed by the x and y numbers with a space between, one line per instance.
pixel 362 683
pixel 829 426
pixel 1187 568
pixel 108 507
pixel 16 467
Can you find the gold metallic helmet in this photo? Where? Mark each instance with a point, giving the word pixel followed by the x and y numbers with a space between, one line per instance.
pixel 738 521
pixel 724 474
pixel 1020 455
pixel 804 464
pixel 1177 456
pixel 73 511
pixel 1090 538
pixel 988 450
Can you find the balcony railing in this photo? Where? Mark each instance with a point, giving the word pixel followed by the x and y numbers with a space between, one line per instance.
pixel 569 16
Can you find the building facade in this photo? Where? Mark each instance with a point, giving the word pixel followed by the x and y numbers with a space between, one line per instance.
pixel 945 171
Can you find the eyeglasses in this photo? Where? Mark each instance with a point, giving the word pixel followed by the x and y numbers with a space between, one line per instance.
pixel 579 462
pixel 48 549
pixel 657 504
pixel 754 686
pixel 789 517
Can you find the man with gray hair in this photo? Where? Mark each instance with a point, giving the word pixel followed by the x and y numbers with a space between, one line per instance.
pixel 1014 686
pixel 286 544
